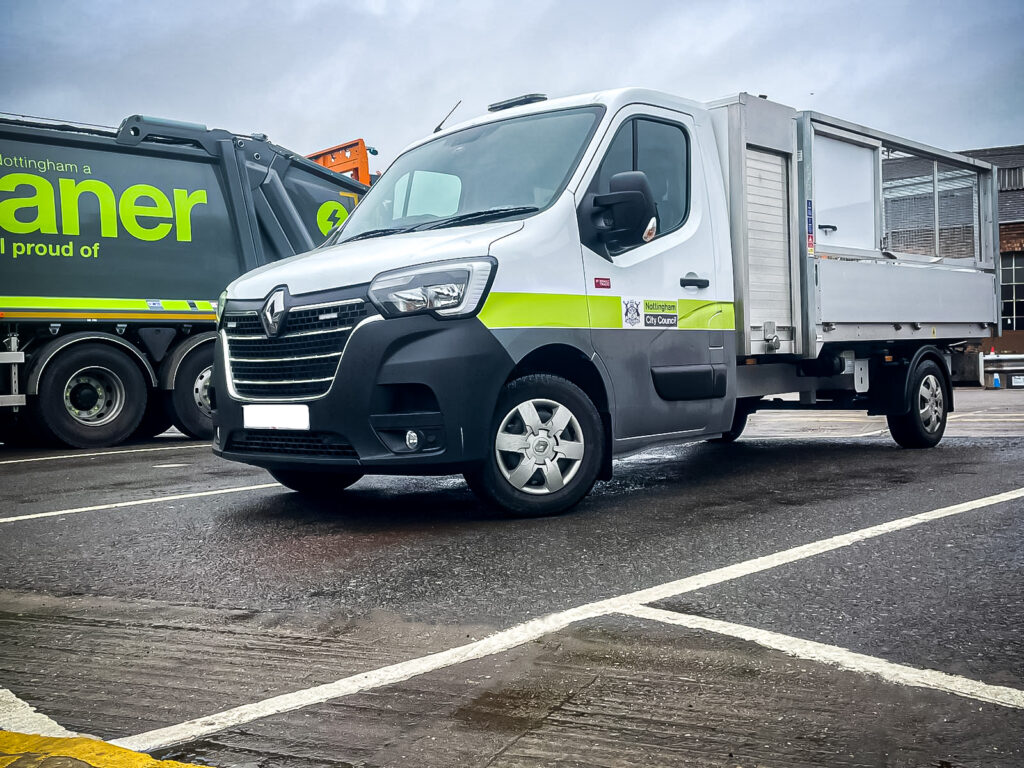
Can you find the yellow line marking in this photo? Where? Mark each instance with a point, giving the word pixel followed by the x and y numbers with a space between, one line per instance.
pixel 22 749
pixel 139 502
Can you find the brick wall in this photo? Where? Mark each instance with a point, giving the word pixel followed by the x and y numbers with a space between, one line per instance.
pixel 1011 237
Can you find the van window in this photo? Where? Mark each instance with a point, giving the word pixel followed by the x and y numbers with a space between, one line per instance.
pixel 662 151
pixel 498 170
pixel 431 193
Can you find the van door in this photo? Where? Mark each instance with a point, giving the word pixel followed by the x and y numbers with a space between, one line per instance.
pixel 657 322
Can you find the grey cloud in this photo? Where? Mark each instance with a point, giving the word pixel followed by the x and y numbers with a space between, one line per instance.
pixel 314 73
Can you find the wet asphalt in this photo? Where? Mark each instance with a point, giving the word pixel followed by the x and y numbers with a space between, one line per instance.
pixel 119 620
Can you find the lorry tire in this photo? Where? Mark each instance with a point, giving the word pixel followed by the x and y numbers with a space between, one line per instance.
pixel 923 425
pixel 315 483
pixel 91 396
pixel 156 420
pixel 546 448
pixel 190 406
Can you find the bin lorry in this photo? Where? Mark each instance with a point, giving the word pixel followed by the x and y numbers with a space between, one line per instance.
pixel 114 245
pixel 523 297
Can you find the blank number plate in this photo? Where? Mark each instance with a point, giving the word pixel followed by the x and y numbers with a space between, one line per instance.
pixel 284 416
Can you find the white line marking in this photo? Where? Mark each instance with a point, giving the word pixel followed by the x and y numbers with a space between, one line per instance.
pixel 527 632
pixel 170 466
pixel 20 717
pixel 202 444
pixel 139 502
pixel 841 657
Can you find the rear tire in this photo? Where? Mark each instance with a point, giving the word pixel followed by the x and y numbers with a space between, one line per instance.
pixel 156 420
pixel 315 483
pixel 739 423
pixel 546 447
pixel 91 396
pixel 924 424
pixel 190 407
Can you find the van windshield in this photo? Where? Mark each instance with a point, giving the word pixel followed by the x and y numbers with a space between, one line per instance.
pixel 495 171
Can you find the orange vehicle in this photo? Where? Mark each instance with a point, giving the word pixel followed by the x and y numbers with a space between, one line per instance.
pixel 351 159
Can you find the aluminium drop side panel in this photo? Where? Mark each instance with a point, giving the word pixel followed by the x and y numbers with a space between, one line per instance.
pixel 861 293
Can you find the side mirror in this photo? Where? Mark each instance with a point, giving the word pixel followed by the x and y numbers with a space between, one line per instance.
pixel 626 215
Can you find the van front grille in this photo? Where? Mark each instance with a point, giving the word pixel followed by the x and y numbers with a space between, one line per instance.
pixel 291 443
pixel 299 363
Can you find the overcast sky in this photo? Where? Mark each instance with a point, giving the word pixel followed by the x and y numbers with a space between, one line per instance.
pixel 314 73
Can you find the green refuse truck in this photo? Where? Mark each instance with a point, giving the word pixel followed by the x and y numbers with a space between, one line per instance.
pixel 114 246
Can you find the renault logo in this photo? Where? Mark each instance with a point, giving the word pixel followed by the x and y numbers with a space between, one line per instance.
pixel 273 313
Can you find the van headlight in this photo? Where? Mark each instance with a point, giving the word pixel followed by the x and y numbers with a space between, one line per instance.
pixel 446 289
pixel 220 305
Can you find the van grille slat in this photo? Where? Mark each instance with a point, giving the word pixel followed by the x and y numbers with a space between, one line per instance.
pixel 291 443
pixel 301 362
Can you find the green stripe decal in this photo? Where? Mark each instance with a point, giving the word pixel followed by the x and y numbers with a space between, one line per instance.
pixel 562 310
pixel 58 302
pixel 535 310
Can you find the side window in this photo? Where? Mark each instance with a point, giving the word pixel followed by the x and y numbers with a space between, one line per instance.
pixel 618 159
pixel 662 151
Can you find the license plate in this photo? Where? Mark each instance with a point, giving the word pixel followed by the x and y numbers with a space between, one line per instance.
pixel 283 416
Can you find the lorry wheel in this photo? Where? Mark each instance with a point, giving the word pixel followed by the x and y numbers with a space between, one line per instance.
pixel 315 483
pixel 922 426
pixel 191 410
pixel 547 446
pixel 91 396
pixel 156 420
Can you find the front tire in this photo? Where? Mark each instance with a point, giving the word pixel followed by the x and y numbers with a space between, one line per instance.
pixel 91 396
pixel 546 448
pixel 315 483
pixel 924 424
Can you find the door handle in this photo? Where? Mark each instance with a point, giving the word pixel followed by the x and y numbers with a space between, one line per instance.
pixel 694 282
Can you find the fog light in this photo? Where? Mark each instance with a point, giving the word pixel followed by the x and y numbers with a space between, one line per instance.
pixel 412 440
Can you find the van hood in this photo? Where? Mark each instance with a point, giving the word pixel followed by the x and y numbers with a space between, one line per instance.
pixel 348 264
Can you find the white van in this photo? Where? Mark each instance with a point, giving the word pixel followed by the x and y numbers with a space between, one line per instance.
pixel 527 295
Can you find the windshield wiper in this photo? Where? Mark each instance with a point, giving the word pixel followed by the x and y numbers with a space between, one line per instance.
pixel 377 233
pixel 479 216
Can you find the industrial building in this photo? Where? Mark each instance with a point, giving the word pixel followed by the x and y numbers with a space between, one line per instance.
pixel 1010 177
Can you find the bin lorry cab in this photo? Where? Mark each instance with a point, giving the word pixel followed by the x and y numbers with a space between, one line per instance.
pixel 523 297
pixel 114 245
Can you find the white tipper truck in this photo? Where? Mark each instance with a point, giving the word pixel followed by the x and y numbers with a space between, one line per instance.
pixel 523 297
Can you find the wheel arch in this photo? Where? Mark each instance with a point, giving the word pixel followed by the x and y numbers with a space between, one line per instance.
pixel 169 368
pixel 583 370
pixel 933 353
pixel 49 351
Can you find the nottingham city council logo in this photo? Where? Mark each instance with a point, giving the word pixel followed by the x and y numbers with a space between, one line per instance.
pixel 631 312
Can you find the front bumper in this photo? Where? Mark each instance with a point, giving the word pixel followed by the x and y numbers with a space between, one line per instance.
pixel 439 378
